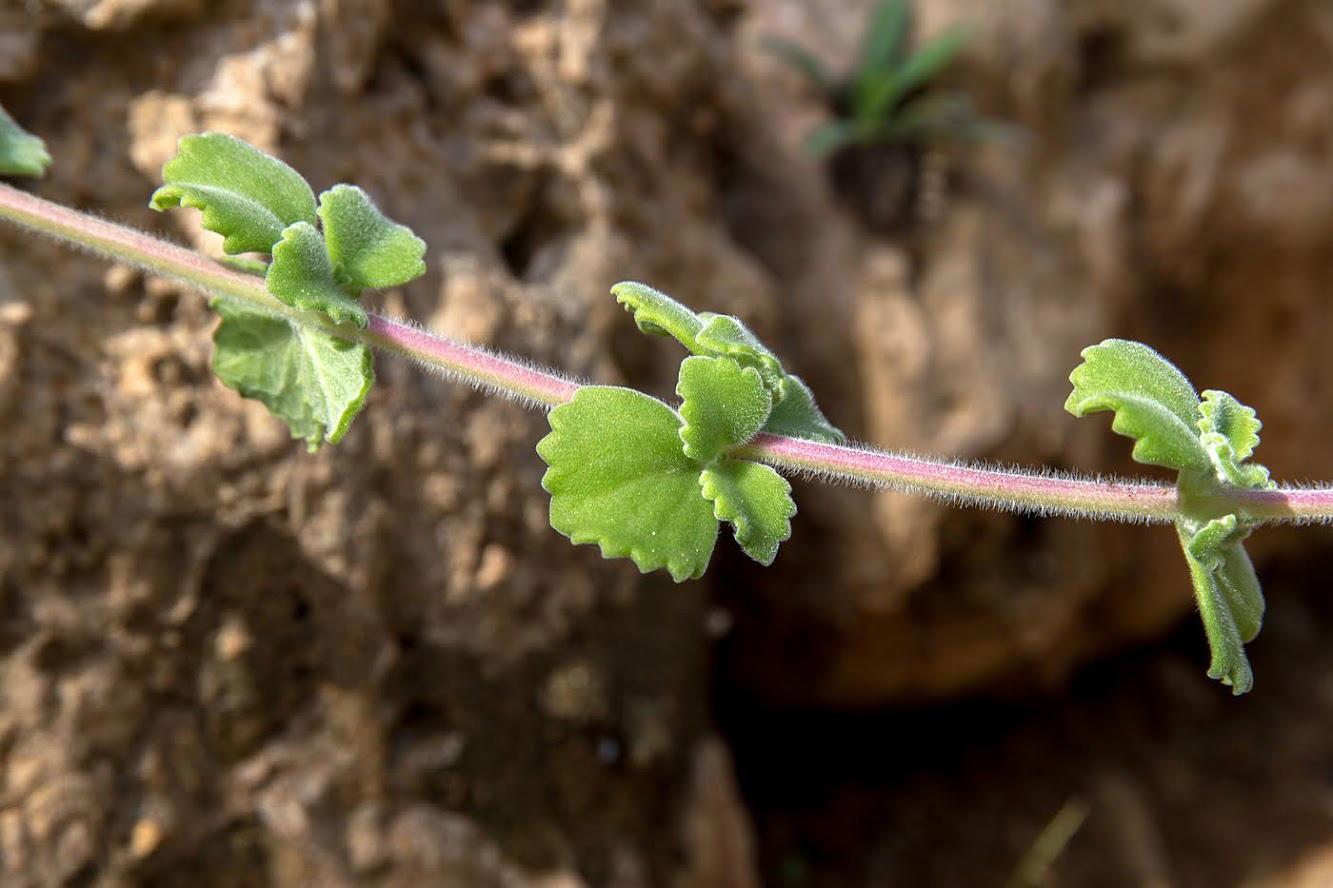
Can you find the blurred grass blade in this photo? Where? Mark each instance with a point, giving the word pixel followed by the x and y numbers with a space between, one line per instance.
pixel 930 60
pixel 829 137
pixel 886 37
pixel 880 91
pixel 802 60
pixel 1033 870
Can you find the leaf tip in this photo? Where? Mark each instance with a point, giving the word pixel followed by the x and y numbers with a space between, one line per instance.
pixel 21 152
pixel 1237 676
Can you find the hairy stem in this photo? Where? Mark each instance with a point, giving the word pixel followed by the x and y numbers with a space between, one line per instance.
pixel 1045 493
pixel 122 244
pixel 1042 493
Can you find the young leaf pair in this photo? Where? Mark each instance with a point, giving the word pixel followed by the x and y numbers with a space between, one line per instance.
pixel 642 480
pixel 320 258
pixel 1207 440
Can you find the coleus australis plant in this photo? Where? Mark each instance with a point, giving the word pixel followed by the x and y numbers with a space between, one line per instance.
pixel 644 479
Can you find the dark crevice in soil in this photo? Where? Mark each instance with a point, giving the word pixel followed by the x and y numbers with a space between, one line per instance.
pixel 1180 780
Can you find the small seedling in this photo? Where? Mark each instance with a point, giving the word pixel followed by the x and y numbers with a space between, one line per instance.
pixel 639 477
pixel 884 111
pixel 885 96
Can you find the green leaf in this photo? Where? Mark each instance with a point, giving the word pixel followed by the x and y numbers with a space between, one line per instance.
pixel 725 336
pixel 1221 414
pixel 887 33
pixel 618 477
pixel 302 276
pixel 724 404
pixel 21 153
pixel 875 96
pixel 316 382
pixel 803 61
pixel 247 196
pixel 657 313
pixel 797 416
pixel 830 136
pixel 1153 402
pixel 879 91
pixel 1229 664
pixel 1229 432
pixel 368 249
pixel 943 116
pixel 755 500
pixel 927 63
pixel 1214 545
pixel 703 333
pixel 1231 603
pixel 1241 589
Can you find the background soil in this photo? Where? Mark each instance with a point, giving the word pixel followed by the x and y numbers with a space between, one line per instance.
pixel 226 662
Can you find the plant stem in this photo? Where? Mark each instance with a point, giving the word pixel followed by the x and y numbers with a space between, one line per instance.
pixel 1046 494
pixel 1041 493
pixel 122 244
pixel 469 363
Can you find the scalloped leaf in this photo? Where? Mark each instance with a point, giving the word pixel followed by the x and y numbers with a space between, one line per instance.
pixel 797 416
pixel 316 382
pixel 755 500
pixel 723 404
pixel 1231 602
pixel 1153 402
pixel 21 153
pixel 1217 545
pixel 1229 664
pixel 302 276
pixel 703 333
pixel 368 249
pixel 725 335
pixel 1221 414
pixel 618 477
pixel 657 313
pixel 1229 432
pixel 246 196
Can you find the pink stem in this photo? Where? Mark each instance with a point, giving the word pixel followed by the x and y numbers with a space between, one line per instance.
pixel 1011 489
pixel 470 363
pixel 1037 492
